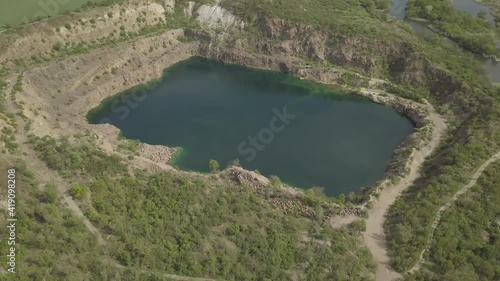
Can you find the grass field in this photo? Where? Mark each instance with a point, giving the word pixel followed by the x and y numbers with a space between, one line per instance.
pixel 18 12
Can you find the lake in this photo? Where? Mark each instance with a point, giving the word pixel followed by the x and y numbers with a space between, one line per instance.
pixel 305 133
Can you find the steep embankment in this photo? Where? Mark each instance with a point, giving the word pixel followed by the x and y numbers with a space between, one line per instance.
pixel 71 70
pixel 41 41
pixel 406 66
pixel 374 235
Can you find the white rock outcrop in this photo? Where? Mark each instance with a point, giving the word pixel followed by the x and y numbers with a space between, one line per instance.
pixel 216 16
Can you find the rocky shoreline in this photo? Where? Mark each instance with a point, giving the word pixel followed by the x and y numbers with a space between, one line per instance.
pixel 163 154
pixel 396 168
pixel 66 89
pixel 414 111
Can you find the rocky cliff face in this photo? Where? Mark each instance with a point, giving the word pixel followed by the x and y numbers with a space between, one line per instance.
pixel 82 29
pixel 308 51
pixel 273 43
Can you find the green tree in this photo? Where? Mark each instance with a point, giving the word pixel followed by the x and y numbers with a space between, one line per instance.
pixel 341 199
pixel 214 166
pixel 50 194
pixel 78 191
pixel 274 181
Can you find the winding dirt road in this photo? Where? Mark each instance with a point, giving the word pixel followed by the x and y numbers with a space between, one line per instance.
pixel 45 175
pixel 441 210
pixel 374 236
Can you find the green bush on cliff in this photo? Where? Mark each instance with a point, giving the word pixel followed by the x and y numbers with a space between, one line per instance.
pixel 214 166
pixel 78 191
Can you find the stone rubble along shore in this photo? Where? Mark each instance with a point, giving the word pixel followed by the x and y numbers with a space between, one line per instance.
pixel 64 90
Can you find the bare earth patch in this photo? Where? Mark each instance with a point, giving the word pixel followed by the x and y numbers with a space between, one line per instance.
pixel 374 236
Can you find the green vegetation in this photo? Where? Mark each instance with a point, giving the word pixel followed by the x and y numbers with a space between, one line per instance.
pixel 229 233
pixel 214 166
pixel 8 122
pixel 184 225
pixel 474 33
pixel 78 191
pixel 467 242
pixel 84 159
pixel 410 218
pixel 51 242
pixel 351 16
pixel 199 227
pixel 274 181
pixel 18 12
pixel 8 137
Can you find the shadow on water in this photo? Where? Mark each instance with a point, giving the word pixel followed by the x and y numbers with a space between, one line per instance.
pixel 398 11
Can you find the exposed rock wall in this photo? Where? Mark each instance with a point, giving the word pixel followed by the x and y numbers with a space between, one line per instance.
pixel 216 16
pixel 39 39
pixel 282 41
pixel 285 42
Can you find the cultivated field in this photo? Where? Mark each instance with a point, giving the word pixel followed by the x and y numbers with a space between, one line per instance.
pixel 18 12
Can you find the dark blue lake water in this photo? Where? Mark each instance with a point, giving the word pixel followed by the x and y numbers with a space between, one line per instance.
pixel 305 133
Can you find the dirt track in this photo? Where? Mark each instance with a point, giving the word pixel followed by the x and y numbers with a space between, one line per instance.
pixel 374 236
pixel 441 210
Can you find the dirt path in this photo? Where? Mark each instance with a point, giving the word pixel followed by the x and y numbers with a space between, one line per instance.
pixel 40 169
pixel 441 210
pixel 374 236
pixel 45 175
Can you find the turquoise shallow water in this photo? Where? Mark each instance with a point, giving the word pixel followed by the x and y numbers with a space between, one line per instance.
pixel 303 132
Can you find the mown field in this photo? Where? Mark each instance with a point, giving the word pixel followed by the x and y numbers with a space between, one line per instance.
pixel 18 12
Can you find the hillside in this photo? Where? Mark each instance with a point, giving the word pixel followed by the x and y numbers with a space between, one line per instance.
pixel 141 216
